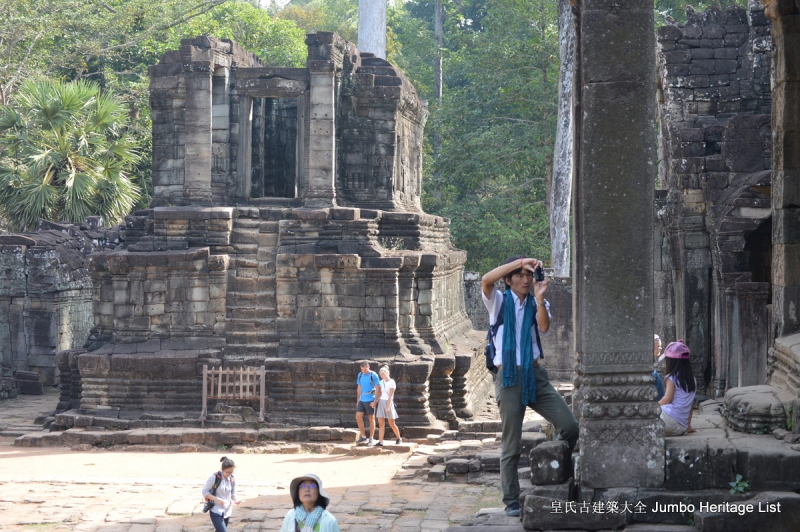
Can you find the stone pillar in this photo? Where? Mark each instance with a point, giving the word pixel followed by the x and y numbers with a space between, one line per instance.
pixel 785 15
pixel 198 119
pixel 321 191
pixel 753 299
pixel 621 437
pixel 372 27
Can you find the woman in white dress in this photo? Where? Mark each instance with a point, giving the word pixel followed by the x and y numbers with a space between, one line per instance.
pixel 385 410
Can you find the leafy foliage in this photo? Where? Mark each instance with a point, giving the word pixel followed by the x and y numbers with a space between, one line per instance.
pixel 668 11
pixel 740 485
pixel 66 155
pixel 497 120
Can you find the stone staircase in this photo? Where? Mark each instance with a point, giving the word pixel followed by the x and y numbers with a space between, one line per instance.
pixel 251 306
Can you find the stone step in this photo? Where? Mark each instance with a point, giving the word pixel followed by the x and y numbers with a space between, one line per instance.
pixel 245 248
pixel 247 222
pixel 237 313
pixel 250 338
pixel 251 350
pixel 250 325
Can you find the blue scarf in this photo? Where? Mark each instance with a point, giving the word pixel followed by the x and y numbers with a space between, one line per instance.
pixel 308 519
pixel 526 345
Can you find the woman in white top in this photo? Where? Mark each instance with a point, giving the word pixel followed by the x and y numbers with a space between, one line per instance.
pixel 221 489
pixel 385 410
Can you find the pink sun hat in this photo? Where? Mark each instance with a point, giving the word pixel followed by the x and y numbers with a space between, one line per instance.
pixel 675 350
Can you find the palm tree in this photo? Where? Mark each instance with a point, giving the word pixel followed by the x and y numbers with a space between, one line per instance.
pixel 65 154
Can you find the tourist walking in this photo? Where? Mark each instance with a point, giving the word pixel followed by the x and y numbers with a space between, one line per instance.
pixel 310 512
pixel 680 389
pixel 366 382
pixel 520 382
pixel 220 489
pixel 386 411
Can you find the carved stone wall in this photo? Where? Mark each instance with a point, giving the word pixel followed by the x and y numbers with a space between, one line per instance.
pixel 326 259
pixel 46 294
pixel 715 149
pixel 785 16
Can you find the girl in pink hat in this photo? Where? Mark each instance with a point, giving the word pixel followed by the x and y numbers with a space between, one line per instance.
pixel 678 400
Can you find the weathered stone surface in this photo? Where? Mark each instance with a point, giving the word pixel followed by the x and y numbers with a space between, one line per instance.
pixel 769 511
pixel 687 464
pixel 672 507
pixel 457 465
pixel 550 463
pixel 754 409
pixel 542 513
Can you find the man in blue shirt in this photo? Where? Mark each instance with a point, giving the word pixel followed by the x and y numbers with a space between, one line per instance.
pixel 365 401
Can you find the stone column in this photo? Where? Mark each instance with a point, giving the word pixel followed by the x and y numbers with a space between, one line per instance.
pixel 321 191
pixel 621 437
pixel 372 27
pixel 785 15
pixel 753 299
pixel 198 119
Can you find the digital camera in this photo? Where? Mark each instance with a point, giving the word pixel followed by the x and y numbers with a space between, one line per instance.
pixel 207 506
pixel 538 274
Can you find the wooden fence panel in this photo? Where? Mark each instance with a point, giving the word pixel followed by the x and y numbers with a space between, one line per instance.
pixel 246 384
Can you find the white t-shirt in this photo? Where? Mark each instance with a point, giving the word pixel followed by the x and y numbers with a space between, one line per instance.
pixel 494 305
pixel 385 387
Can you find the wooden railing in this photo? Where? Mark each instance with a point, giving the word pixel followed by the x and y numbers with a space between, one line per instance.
pixel 247 384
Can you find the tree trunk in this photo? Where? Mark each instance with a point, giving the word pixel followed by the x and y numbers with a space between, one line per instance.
pixel 562 154
pixel 438 34
pixel 372 27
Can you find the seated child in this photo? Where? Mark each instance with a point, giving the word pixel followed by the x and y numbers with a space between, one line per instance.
pixel 678 400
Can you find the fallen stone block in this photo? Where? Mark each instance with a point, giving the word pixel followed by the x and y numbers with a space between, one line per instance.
pixel 474 465
pixel 754 409
pixel 437 473
pixel 457 465
pixel 550 463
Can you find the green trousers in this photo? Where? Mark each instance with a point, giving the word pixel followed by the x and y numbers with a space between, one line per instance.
pixel 549 404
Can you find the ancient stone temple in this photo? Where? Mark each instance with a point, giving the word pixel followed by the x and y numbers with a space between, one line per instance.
pixel 714 208
pixel 285 231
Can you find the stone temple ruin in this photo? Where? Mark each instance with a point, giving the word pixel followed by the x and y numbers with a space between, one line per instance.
pixel 285 231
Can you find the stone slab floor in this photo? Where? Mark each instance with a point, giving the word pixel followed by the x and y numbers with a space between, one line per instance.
pixel 60 489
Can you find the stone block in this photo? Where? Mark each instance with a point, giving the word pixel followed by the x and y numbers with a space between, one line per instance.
pixel 765 511
pixel 550 463
pixel 457 465
pixel 437 473
pixel 319 433
pixel 543 513
pixel 530 440
pixel 721 463
pixel 686 464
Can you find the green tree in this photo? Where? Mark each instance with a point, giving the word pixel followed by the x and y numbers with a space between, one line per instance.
pixel 66 155
pixel 497 120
